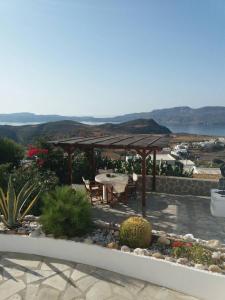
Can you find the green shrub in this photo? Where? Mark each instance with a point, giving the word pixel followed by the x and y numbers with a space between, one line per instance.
pixel 135 232
pixel 66 212
pixel 196 253
pixel 11 152
pixel 5 170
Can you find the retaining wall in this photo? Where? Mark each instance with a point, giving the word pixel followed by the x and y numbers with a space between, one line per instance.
pixel 181 185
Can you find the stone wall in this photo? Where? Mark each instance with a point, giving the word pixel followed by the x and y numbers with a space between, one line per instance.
pixel 181 185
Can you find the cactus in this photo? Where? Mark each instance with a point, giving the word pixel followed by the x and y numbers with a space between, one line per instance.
pixel 15 207
pixel 135 232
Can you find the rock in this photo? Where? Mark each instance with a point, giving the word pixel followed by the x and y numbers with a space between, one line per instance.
pixel 169 258
pixel 163 240
pixel 21 230
pixel 29 218
pixel 223 265
pixel 113 245
pixel 215 269
pixel 182 261
pixel 213 243
pixel 34 225
pixel 223 256
pixel 125 249
pixel 158 255
pixel 139 251
pixel 189 237
pixel 88 241
pixel 36 233
pixel 200 267
pixel 216 255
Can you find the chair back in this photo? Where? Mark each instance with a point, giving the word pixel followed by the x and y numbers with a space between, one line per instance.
pixel 86 183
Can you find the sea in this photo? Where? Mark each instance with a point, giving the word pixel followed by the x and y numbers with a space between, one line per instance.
pixel 201 130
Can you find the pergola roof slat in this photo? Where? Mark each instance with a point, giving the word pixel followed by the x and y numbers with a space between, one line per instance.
pixel 135 141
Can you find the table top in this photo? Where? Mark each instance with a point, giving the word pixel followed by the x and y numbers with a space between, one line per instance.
pixel 116 178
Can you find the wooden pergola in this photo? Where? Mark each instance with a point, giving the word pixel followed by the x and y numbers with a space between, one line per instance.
pixel 143 144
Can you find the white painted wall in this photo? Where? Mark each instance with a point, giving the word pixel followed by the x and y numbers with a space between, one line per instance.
pixel 201 284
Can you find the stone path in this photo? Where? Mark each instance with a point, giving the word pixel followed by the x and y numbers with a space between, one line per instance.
pixel 26 277
pixel 171 213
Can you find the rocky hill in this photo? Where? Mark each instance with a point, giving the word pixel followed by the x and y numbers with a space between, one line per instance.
pixel 64 129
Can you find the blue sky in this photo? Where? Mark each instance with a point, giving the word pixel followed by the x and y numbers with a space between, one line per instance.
pixel 109 57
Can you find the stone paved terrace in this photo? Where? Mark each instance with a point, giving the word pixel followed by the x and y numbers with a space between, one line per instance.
pixel 170 213
pixel 26 277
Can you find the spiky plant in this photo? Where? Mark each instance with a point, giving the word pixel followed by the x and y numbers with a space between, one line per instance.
pixel 135 232
pixel 15 207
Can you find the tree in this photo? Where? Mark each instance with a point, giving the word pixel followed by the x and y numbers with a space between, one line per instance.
pixel 10 152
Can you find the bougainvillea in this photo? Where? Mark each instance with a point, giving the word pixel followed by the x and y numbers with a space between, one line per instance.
pixel 32 151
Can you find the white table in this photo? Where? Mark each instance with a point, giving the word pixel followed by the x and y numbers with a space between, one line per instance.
pixel 117 180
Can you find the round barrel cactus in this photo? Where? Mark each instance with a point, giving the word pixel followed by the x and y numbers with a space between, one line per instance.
pixel 135 232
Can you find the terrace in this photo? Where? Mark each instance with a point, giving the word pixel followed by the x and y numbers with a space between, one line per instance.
pixel 178 245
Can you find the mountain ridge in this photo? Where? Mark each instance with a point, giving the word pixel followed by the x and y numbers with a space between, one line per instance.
pixel 26 134
pixel 175 116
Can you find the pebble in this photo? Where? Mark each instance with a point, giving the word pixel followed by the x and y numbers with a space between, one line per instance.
pixel 213 243
pixel 188 237
pixel 113 245
pixel 182 261
pixel 125 249
pixel 200 267
pixel 171 259
pixel 36 233
pixel 88 241
pixel 163 240
pixel 139 251
pixel 158 255
pixel 215 269
pixel 216 255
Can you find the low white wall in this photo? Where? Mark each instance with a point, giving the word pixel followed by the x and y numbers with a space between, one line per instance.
pixel 201 284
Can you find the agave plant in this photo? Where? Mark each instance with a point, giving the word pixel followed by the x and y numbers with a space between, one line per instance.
pixel 15 207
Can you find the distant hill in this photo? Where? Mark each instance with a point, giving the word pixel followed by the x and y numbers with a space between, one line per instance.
pixel 185 116
pixel 64 129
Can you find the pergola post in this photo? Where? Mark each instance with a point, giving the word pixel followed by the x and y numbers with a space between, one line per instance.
pixel 154 171
pixel 91 159
pixel 143 172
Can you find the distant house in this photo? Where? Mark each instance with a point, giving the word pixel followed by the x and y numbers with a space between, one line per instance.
pixel 160 157
pixel 188 165
pixel 213 173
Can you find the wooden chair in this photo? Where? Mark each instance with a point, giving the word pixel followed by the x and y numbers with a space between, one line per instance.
pixel 115 196
pixel 132 185
pixel 94 190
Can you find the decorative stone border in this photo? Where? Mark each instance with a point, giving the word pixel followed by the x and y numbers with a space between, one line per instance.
pixel 201 284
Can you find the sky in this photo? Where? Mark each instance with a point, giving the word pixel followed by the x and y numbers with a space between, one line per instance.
pixel 110 57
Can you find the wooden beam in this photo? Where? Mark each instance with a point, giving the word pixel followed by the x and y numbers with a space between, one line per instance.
pixel 154 171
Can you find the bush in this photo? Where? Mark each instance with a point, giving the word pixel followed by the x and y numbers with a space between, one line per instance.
pixel 135 232
pixel 5 170
pixel 11 152
pixel 66 212
pixel 195 253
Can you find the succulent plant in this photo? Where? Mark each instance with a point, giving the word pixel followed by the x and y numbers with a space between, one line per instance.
pixel 135 232
pixel 15 207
